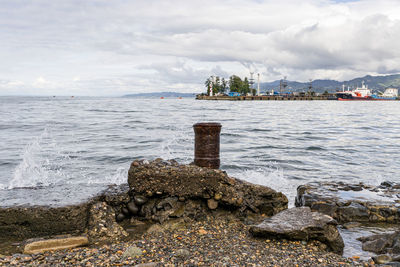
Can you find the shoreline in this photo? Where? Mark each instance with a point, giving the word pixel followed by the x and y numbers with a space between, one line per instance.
pixel 211 241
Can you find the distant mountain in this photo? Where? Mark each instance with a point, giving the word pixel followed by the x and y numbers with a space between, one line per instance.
pixel 161 94
pixel 374 82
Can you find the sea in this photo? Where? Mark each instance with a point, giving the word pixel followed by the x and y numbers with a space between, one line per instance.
pixel 63 150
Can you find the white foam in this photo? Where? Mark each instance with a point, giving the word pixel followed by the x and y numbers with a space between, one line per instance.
pixel 178 144
pixel 120 176
pixel 30 172
pixel 41 163
pixel 273 177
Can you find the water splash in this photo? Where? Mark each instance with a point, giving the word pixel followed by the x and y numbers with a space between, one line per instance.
pixel 30 172
pixel 272 176
pixel 41 163
pixel 178 144
pixel 120 176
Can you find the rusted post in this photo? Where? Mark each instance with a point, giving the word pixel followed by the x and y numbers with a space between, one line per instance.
pixel 206 144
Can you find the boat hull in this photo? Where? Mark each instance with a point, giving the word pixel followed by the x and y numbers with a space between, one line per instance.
pixel 367 99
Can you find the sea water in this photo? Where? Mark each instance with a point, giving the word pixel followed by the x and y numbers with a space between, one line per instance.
pixel 62 150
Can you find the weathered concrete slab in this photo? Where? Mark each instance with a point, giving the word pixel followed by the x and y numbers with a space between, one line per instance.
pixel 166 183
pixel 42 245
pixel 157 191
pixel 301 224
pixel 24 222
pixel 37 221
pixel 352 202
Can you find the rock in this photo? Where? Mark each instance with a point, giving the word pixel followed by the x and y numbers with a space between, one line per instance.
pixel 353 212
pixel 351 225
pixel 114 195
pixel 212 204
pixel 24 222
pixel 149 264
pixel 132 252
pixel 33 246
pixel 162 209
pixel 352 202
pixel 388 243
pixel 155 228
pixel 396 257
pixel 132 208
pixel 102 225
pixel 387 184
pixel 218 196
pixel 190 182
pixel 125 211
pixel 382 259
pixel 120 217
pixel 301 224
pixel 140 200
pixel 182 253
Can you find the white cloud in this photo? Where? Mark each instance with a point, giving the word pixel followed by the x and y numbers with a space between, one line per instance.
pixel 117 47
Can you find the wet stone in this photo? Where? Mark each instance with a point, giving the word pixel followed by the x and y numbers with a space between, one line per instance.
pixel 352 202
pixel 382 243
pixel 351 225
pixel 120 217
pixel 140 200
pixel 382 259
pixel 125 211
pixel 132 208
pixel 301 224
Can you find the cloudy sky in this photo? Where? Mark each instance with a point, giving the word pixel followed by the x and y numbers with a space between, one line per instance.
pixel 116 47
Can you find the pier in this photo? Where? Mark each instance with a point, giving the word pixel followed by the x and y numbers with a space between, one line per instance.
pixel 266 97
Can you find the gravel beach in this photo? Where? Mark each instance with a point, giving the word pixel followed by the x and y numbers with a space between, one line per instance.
pixel 223 241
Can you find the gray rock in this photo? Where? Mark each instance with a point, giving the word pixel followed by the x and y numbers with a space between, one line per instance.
pixel 125 211
pixel 396 257
pixel 353 212
pixel 182 253
pixel 382 259
pixel 352 202
pixel 120 217
pixel 149 264
pixel 132 208
pixel 388 243
pixel 301 224
pixel 140 200
pixel 132 252
pixel 351 225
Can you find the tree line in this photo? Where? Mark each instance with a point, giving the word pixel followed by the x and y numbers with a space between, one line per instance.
pixel 220 85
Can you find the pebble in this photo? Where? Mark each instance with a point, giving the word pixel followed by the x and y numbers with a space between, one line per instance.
pixel 132 251
pixel 382 259
pixel 182 253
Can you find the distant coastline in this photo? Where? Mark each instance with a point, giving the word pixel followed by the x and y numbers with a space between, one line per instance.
pixel 161 94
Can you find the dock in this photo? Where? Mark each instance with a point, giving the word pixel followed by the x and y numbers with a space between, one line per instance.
pixel 266 97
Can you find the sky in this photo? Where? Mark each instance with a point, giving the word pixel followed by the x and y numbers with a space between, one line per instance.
pixel 112 48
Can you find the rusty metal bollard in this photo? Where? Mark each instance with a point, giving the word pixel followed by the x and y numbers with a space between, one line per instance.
pixel 206 144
